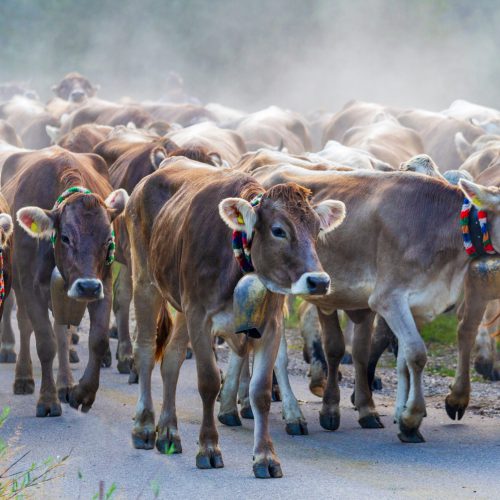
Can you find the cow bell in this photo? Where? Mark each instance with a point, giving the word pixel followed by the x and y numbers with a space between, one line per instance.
pixel 66 311
pixel 249 306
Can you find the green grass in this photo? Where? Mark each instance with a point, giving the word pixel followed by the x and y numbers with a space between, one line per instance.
pixel 443 330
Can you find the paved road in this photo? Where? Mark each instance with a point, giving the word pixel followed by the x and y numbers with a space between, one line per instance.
pixel 459 460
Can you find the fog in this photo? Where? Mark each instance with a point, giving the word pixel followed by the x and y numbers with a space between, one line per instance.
pixel 303 55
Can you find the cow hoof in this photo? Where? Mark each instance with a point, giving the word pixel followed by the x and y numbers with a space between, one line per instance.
pixel 346 359
pixel 266 469
pixel 371 422
pixel 329 421
pixel 169 443
pixel 377 384
pixel 133 377
pixel 339 376
pixel 73 356
pixel 296 428
pixel 276 393
pixel 189 353
pixel 8 356
pixel 107 359
pixel 229 419
pixel 246 412
pixel 52 409
pixel 80 397
pixel 317 390
pixel 123 366
pixel 113 332
pixel 75 338
pixel 454 411
pixel 210 459
pixel 353 398
pixel 24 386
pixel 407 435
pixel 63 394
pixel 143 439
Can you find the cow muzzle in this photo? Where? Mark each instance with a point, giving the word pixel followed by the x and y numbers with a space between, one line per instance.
pixel 77 96
pixel 86 289
pixel 311 284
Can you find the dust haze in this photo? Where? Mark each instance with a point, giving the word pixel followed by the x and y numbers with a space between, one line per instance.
pixel 302 55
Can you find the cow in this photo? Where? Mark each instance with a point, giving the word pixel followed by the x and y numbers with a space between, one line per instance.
pixel 181 254
pixel 438 135
pixel 185 114
pixel 10 89
pixel 482 116
pixel 395 272
pixel 20 111
pixel 85 138
pixel 7 353
pixel 63 245
pixel 75 88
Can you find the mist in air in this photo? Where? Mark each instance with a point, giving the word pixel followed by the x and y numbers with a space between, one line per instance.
pixel 302 55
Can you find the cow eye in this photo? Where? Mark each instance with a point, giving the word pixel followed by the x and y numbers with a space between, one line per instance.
pixel 64 239
pixel 278 232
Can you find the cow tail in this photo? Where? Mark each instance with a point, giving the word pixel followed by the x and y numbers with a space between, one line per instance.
pixel 163 327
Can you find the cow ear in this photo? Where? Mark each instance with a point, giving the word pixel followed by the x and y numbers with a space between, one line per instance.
pixel 38 223
pixel 481 196
pixel 116 202
pixel 6 227
pixel 55 88
pixel 53 132
pixel 156 156
pixel 238 214
pixel 96 89
pixel 331 214
pixel 464 147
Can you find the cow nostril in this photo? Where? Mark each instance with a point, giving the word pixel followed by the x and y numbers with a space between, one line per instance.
pixel 317 285
pixel 88 288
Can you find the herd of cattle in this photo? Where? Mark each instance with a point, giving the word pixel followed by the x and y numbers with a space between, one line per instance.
pixel 220 215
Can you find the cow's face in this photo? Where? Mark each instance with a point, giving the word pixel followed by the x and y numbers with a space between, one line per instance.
pixel 285 230
pixel 488 199
pixel 82 232
pixel 75 88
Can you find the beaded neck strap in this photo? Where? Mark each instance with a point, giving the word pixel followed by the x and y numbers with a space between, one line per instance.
pixel 110 256
pixel 466 219
pixel 242 243
pixel 2 278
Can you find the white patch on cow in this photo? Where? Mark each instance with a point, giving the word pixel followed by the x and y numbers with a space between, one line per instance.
pixel 300 287
pixel 35 222
pixel 238 214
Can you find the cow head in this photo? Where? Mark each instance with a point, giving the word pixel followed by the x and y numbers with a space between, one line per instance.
pixel 285 228
pixel 488 199
pixel 6 228
pixel 75 88
pixel 81 230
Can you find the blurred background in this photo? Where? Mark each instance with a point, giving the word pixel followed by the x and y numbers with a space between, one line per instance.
pixel 304 55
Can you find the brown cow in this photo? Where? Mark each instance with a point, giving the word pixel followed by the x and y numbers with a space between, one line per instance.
pixel 84 139
pixel 80 227
pixel 75 88
pixel 181 253
pixel 8 134
pixel 396 272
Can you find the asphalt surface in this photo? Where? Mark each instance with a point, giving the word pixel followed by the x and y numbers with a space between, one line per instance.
pixel 459 460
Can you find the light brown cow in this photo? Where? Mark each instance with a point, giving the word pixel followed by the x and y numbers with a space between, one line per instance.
pixel 396 272
pixel 181 253
pixel 75 88
pixel 80 226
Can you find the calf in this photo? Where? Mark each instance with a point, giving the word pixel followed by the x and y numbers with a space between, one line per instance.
pixel 181 254
pixel 64 236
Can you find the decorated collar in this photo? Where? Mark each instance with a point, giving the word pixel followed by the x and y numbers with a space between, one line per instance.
pixel 110 256
pixel 242 243
pixel 2 278
pixel 474 224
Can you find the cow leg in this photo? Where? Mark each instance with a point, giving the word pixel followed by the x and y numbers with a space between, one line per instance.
pixel 228 410
pixel 83 394
pixel 368 416
pixel 121 308
pixel 64 375
pixel 209 381
pixel 412 353
pixel 73 335
pixel 169 441
pixel 8 341
pixel 24 382
pixel 296 424
pixel 265 461
pixel 348 339
pixel 471 314
pixel 147 303
pixel 333 341
pixel 485 346
pixel 244 390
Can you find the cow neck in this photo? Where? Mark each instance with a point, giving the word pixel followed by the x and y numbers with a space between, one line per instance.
pixel 242 243
pixel 110 255
pixel 475 231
